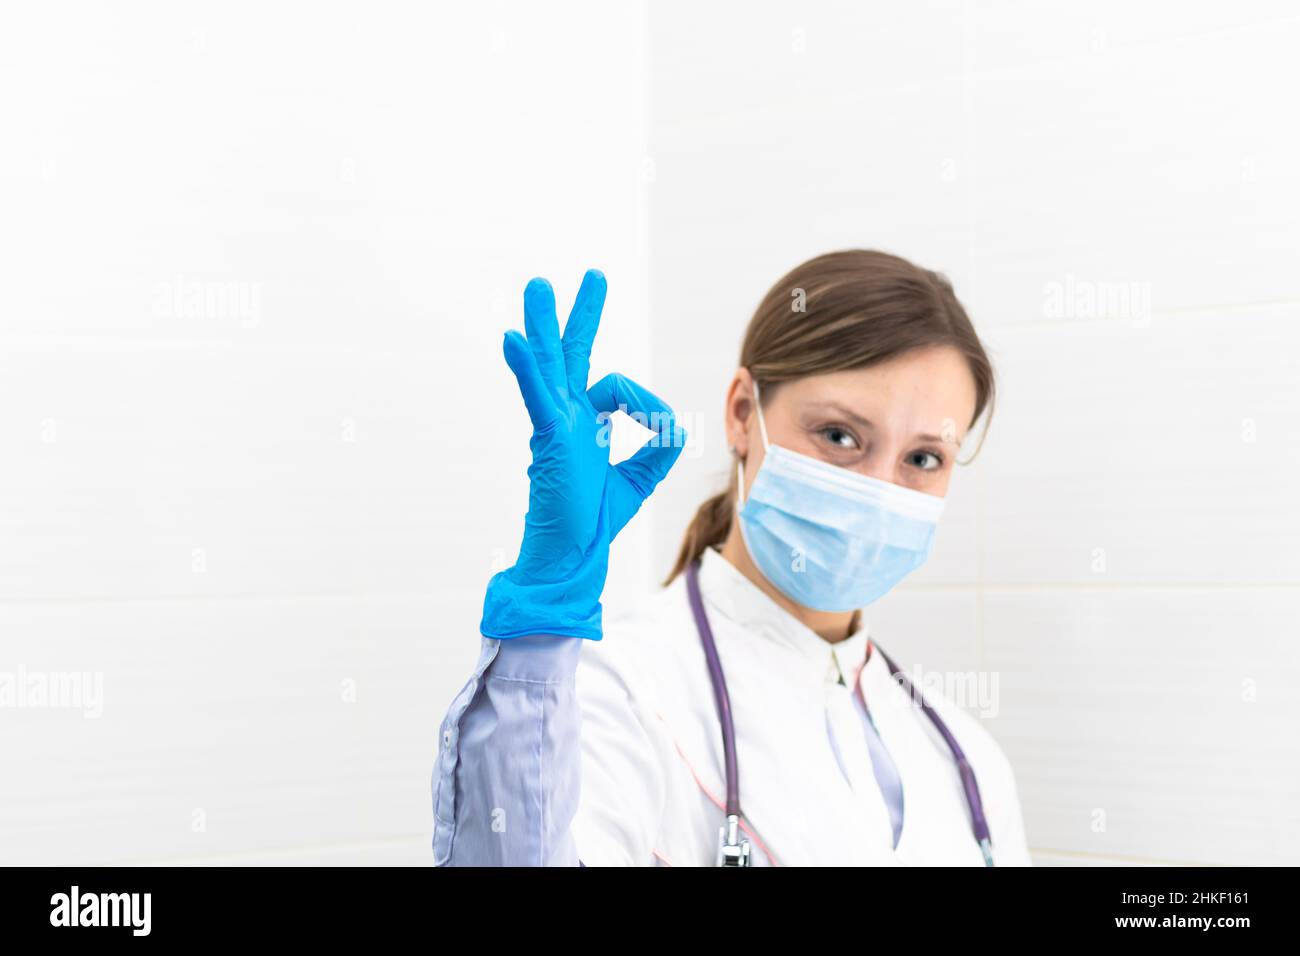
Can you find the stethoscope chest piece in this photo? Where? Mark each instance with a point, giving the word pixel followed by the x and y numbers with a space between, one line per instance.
pixel 733 849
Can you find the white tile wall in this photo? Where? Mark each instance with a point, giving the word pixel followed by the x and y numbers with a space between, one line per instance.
pixel 228 727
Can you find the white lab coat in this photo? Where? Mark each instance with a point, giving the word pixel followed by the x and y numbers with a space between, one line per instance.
pixel 652 769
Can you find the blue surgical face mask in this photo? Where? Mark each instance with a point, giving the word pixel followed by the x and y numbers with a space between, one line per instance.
pixel 829 538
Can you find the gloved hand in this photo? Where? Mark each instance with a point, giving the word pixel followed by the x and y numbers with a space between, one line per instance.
pixel 577 501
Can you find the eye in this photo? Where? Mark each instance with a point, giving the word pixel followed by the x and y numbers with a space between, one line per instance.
pixel 841 438
pixel 925 460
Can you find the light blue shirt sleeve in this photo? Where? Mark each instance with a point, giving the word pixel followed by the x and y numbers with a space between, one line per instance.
pixel 508 773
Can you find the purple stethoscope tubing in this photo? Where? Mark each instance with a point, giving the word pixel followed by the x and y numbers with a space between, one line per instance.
pixel 720 694
pixel 979 824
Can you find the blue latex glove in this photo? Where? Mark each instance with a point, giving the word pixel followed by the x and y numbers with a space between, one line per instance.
pixel 577 501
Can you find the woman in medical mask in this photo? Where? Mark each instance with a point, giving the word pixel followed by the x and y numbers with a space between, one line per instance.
pixel 743 714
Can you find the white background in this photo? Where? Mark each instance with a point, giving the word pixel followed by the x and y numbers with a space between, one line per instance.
pixel 268 528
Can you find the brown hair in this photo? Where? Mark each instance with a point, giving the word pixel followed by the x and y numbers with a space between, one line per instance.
pixel 843 310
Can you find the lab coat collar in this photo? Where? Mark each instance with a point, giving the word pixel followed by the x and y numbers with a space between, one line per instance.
pixel 734 596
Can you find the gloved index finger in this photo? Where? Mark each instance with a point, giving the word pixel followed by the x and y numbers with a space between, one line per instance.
pixel 580 330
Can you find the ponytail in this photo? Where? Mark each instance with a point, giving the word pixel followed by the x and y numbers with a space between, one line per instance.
pixel 709 528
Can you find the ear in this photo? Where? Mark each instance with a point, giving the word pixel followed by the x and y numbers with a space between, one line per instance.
pixel 739 411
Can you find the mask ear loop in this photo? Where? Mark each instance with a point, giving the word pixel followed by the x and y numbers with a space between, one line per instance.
pixel 758 409
pixel 740 465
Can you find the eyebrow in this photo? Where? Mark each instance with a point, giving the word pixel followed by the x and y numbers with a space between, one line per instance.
pixel 868 423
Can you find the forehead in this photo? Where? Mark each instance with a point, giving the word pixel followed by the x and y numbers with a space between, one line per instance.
pixel 918 389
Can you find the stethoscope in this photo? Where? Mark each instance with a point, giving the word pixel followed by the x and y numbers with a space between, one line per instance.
pixel 733 848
